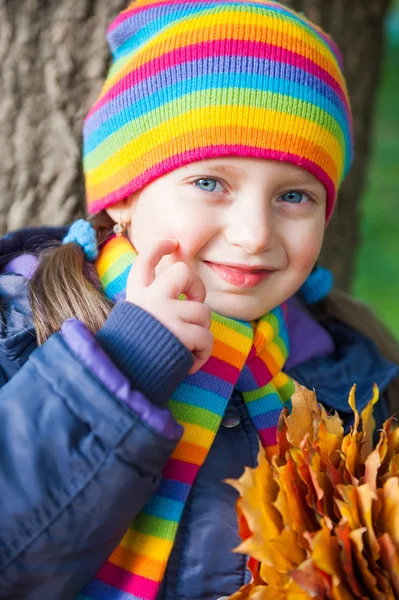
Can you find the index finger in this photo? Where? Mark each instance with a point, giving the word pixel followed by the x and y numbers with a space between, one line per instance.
pixel 145 263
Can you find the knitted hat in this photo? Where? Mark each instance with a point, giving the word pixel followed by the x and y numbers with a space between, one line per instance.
pixel 200 79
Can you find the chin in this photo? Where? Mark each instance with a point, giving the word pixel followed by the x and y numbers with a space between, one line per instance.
pixel 235 306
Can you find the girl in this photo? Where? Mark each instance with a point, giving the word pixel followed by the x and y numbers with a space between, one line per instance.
pixel 212 157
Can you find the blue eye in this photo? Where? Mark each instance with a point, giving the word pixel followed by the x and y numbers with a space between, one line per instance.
pixel 206 185
pixel 294 197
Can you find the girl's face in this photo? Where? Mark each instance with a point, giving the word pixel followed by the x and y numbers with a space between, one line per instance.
pixel 251 228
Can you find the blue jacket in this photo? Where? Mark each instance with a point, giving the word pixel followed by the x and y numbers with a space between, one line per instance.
pixel 84 434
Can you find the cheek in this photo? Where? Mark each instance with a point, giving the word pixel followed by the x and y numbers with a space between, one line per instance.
pixel 153 219
pixel 187 222
pixel 193 232
pixel 304 248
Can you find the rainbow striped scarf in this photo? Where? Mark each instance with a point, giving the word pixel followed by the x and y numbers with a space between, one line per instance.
pixel 249 358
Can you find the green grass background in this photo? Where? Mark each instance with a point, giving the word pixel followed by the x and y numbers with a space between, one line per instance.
pixel 377 268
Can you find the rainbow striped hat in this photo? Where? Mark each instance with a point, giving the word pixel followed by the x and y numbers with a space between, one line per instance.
pixel 200 79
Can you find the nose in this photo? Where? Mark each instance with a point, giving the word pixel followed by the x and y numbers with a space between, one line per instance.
pixel 252 228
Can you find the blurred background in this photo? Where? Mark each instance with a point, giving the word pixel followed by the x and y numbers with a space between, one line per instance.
pixel 376 278
pixel 53 59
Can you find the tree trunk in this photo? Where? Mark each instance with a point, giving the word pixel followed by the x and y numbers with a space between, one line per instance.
pixel 53 58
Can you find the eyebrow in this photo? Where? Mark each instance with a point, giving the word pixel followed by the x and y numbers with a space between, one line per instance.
pixel 302 180
pixel 307 183
pixel 221 168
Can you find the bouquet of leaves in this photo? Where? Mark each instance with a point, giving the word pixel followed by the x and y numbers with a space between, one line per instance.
pixel 321 518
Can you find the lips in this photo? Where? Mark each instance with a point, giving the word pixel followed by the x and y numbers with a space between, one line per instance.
pixel 241 275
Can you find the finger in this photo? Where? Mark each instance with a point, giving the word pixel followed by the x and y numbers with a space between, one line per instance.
pixel 201 355
pixel 145 263
pixel 200 343
pixel 196 291
pixel 179 279
pixel 196 313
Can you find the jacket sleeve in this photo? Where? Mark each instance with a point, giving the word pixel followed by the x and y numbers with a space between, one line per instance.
pixel 82 446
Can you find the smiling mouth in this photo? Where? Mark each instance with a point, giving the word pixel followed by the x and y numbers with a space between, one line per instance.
pixel 247 277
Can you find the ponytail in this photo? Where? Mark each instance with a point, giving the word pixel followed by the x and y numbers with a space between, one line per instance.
pixel 65 285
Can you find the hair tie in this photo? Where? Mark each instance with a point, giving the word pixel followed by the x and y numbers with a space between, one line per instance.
pixel 81 232
pixel 317 286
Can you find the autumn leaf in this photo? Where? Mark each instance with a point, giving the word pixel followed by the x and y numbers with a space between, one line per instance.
pixel 291 499
pixel 366 499
pixel 390 560
pixel 332 423
pixel 300 421
pixel 366 576
pixel 328 444
pixel 348 564
pixel 320 519
pixel 388 518
pixel 368 424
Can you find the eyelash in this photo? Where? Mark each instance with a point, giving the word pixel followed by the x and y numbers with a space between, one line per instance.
pixel 309 196
pixel 294 191
pixel 206 179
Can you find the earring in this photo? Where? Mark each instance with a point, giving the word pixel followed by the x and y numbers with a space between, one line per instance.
pixel 120 227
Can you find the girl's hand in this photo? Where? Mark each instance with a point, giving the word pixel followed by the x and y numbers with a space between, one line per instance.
pixel 189 320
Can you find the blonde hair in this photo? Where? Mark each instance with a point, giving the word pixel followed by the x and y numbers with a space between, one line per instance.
pixel 65 285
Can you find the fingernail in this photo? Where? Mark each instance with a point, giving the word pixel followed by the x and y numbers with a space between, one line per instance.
pixel 169 240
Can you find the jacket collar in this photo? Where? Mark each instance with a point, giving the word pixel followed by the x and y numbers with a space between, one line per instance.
pixel 355 359
pixel 28 239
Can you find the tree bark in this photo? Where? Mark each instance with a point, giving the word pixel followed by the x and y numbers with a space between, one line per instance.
pixel 53 58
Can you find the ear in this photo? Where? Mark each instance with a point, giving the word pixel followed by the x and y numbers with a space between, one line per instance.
pixel 120 211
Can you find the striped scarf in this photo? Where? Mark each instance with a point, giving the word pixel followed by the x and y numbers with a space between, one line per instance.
pixel 245 356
